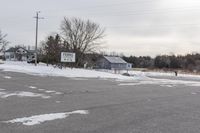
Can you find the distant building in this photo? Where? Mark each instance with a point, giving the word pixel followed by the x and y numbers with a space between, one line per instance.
pixel 17 54
pixel 113 63
pixel 1 55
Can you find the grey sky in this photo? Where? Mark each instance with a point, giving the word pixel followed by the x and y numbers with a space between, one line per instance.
pixel 134 27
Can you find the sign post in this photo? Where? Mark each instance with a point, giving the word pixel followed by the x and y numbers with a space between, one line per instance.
pixel 67 57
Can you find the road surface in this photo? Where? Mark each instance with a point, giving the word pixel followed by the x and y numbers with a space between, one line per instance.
pixel 146 108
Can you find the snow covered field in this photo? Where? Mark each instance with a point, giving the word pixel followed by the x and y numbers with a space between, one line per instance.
pixel 44 70
pixel 139 78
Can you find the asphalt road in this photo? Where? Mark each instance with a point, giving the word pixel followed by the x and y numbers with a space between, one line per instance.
pixel 112 108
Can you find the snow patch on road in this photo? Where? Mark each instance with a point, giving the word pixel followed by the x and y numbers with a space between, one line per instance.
pixel 193 93
pixel 41 89
pixel 32 87
pixel 170 86
pixel 161 82
pixel 79 79
pixel 38 119
pixel 4 94
pixel 7 77
pixel 58 101
pixel 2 89
pixel 50 91
pixel 58 93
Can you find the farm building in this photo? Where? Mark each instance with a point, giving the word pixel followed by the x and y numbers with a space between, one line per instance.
pixel 113 63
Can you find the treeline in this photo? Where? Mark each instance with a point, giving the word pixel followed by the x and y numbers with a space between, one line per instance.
pixel 189 62
pixel 140 62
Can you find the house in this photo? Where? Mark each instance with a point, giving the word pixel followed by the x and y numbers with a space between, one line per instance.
pixel 16 54
pixel 113 63
pixel 1 55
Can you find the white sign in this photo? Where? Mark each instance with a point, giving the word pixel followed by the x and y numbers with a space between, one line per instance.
pixel 68 57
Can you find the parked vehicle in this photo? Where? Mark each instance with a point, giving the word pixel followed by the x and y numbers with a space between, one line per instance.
pixel 31 59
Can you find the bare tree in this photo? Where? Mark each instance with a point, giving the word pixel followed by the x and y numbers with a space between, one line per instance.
pixel 3 42
pixel 81 36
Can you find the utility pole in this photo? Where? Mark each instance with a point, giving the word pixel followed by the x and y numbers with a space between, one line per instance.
pixel 36 36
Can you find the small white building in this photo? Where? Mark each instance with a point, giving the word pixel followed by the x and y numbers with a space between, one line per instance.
pixel 16 54
pixel 113 63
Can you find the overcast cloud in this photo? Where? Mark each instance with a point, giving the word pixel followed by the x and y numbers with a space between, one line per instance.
pixel 134 27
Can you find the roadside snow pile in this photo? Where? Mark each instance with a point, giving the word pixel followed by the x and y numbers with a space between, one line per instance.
pixel 44 70
pixel 38 119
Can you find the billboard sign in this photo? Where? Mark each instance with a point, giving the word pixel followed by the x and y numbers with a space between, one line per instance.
pixel 68 57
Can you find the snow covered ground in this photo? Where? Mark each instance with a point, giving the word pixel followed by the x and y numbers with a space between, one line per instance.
pixel 139 78
pixel 157 74
pixel 142 74
pixel 162 82
pixel 44 70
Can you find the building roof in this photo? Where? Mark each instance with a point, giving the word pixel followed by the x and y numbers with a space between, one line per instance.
pixel 31 51
pixel 113 59
pixel 11 49
pixel 14 49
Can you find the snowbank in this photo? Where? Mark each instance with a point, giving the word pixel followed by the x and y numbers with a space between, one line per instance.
pixel 157 74
pixel 44 70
